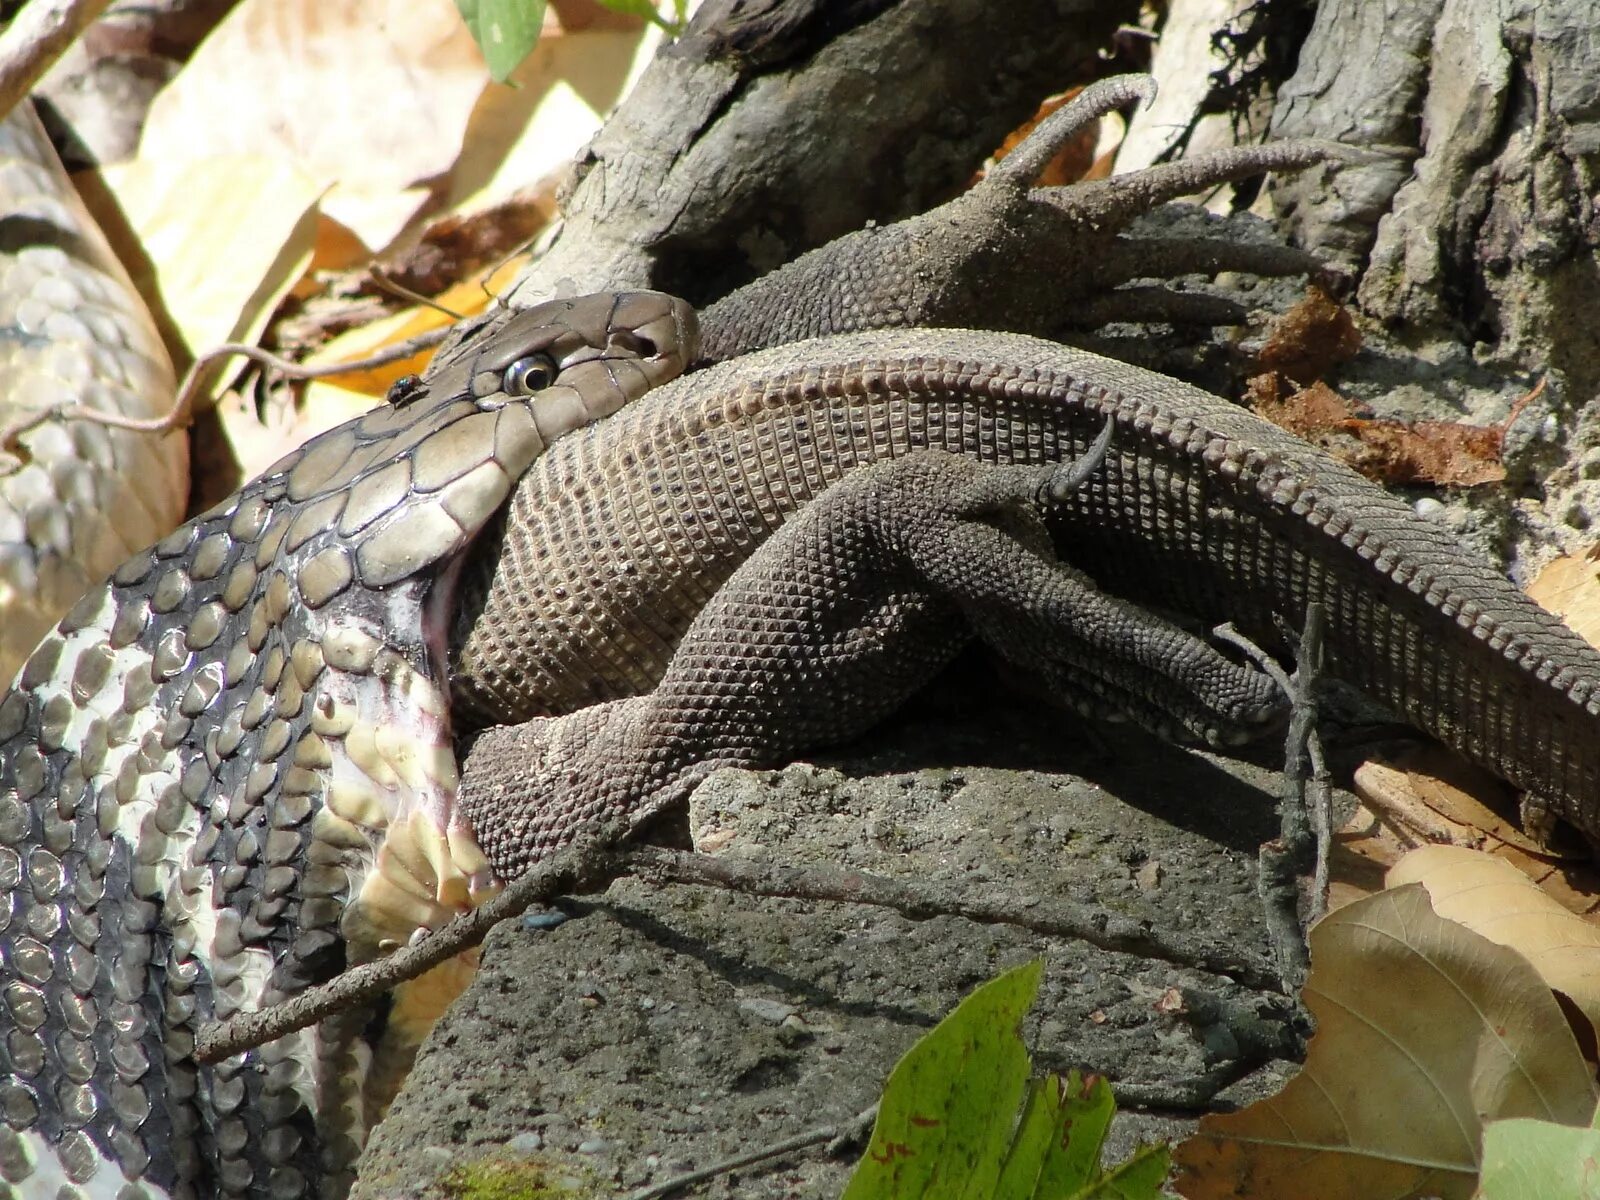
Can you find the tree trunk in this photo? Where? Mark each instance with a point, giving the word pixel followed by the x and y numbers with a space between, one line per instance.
pixel 773 127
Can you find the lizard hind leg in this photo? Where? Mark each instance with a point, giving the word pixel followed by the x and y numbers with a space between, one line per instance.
pixel 855 604
pixel 1097 653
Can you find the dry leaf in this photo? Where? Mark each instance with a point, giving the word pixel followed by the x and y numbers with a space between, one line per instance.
pixel 527 134
pixel 1445 453
pixel 1493 898
pixel 1570 587
pixel 370 93
pixel 372 217
pixel 1311 338
pixel 456 246
pixel 1425 1031
pixel 1438 797
pixel 465 299
pixel 225 237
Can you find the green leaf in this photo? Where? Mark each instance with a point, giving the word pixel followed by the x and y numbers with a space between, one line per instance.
pixel 505 30
pixel 1033 1140
pixel 1086 1111
pixel 948 1126
pixel 1138 1177
pixel 944 1127
pixel 1525 1159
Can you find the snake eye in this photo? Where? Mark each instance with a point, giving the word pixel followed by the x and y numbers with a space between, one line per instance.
pixel 530 374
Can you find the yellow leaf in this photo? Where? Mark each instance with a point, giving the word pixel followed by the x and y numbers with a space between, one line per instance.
pixel 1570 588
pixel 225 237
pixel 1493 898
pixel 1425 1032
pixel 556 101
pixel 467 298
pixel 369 92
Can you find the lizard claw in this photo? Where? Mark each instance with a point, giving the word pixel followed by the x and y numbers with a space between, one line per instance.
pixel 1027 161
pixel 999 488
pixel 1065 478
pixel 1091 218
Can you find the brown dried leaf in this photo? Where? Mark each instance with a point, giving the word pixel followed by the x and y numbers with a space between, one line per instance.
pixel 1425 1032
pixel 1311 338
pixel 1444 453
pixel 1394 819
pixel 1439 798
pixel 1311 413
pixel 1570 588
pixel 1491 897
pixel 457 245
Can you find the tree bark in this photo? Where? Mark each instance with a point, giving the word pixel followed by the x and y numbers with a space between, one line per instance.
pixel 1482 226
pixel 773 127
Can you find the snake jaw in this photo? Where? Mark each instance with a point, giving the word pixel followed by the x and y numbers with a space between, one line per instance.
pixel 391 782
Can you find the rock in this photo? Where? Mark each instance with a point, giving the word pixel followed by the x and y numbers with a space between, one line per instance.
pixel 729 1023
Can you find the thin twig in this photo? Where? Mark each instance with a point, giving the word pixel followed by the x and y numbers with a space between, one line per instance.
pixel 588 865
pixel 1317 795
pixel 583 866
pixel 1278 887
pixel 923 900
pixel 833 1135
pixel 179 414
pixel 395 288
pixel 1282 860
pixel 36 37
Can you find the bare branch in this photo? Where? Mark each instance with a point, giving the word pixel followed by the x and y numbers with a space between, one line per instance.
pixel 36 37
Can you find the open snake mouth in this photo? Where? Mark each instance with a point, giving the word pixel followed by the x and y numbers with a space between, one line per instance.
pixel 384 711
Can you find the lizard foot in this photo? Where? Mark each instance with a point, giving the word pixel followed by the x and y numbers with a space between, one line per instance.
pixel 1091 243
pixel 1008 254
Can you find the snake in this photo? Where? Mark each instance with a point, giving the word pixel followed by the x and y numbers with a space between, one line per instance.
pixel 229 773
pixel 76 497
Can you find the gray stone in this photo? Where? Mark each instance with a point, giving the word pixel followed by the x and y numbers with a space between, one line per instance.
pixel 687 1061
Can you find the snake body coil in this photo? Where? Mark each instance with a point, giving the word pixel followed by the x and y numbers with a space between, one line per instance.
pixel 77 497
pixel 229 772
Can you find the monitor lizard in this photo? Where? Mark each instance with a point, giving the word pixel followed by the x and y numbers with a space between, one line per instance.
pixel 202 728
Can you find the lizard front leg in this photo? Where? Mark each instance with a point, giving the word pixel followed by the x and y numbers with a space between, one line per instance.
pixel 1012 255
pixel 857 602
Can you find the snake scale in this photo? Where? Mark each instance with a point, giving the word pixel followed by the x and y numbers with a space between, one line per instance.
pixel 229 772
pixel 76 498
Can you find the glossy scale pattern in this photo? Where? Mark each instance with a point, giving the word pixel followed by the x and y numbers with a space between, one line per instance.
pixel 229 772
pixel 76 498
